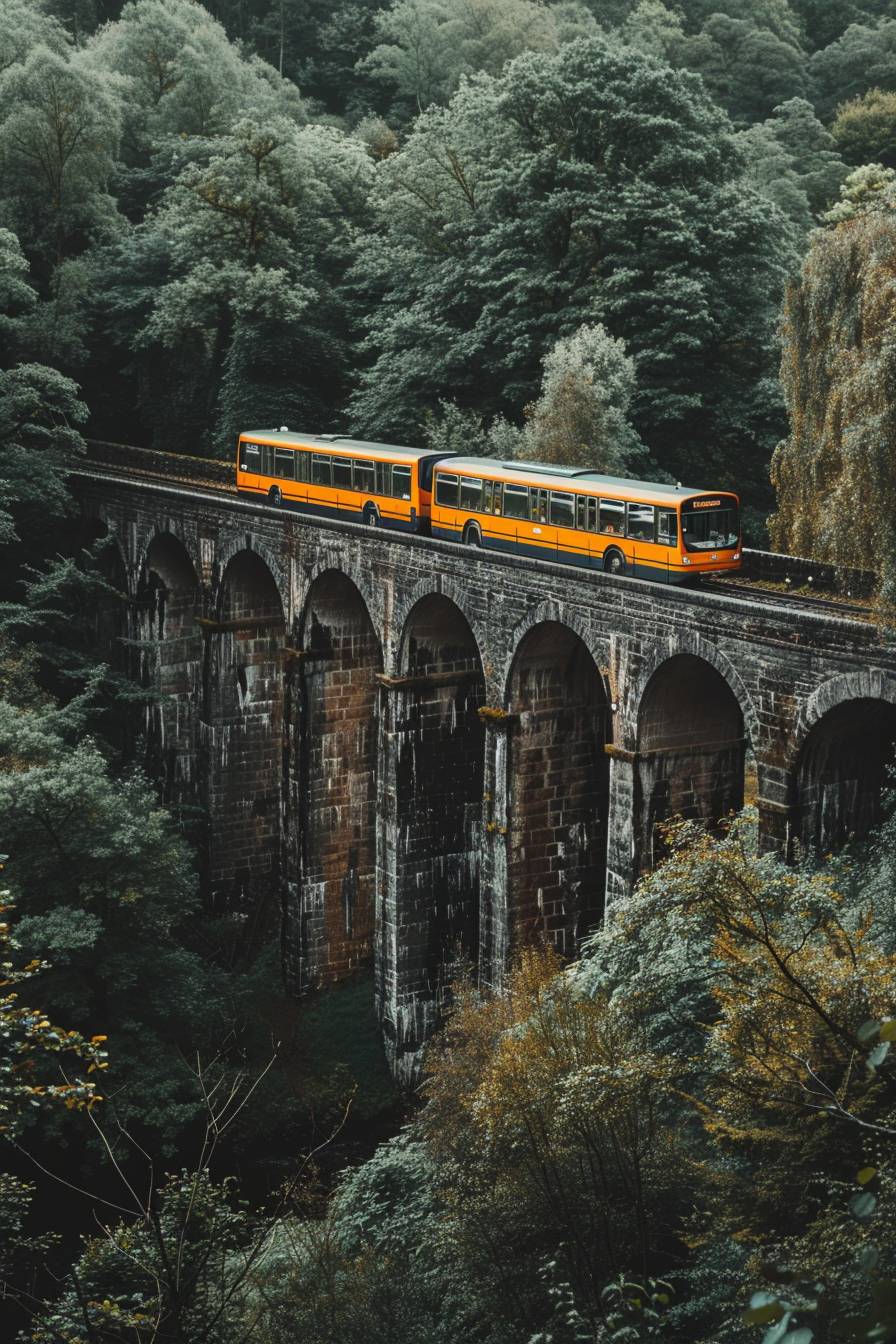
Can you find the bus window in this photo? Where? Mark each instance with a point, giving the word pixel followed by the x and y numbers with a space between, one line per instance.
pixel 250 457
pixel 612 516
pixel 592 514
pixel 302 466
pixel 384 478
pixel 667 527
pixel 562 510
pixel 342 472
pixel 516 501
pixel 581 511
pixel 285 464
pixel 487 496
pixel 446 490
pixel 401 482
pixel 320 469
pixel 538 506
pixel 641 522
pixel 496 500
pixel 267 460
pixel 364 476
pixel 471 494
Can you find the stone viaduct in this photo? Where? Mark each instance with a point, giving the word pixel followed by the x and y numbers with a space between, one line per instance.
pixel 411 753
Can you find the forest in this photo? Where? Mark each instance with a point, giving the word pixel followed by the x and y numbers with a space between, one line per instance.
pixel 653 239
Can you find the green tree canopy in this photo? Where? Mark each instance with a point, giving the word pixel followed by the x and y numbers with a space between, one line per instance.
pixel 426 46
pixel 863 58
pixel 592 185
pixel 59 131
pixel 793 161
pixel 865 129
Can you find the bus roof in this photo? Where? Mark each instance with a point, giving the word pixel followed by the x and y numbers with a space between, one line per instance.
pixel 324 443
pixel 536 473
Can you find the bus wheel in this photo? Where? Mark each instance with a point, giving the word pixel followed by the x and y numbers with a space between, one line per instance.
pixel 275 496
pixel 614 562
pixel 370 515
pixel 472 535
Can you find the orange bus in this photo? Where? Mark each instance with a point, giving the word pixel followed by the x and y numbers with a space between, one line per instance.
pixel 661 532
pixel 336 477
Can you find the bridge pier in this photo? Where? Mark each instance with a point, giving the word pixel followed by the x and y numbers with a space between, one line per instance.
pixel 330 823
pixel 170 647
pixel 242 742
pixel 432 818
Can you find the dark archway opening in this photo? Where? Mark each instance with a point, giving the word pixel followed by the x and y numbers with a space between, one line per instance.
pixel 841 774
pixel 170 649
pixel 243 720
pixel 558 790
pixel 691 752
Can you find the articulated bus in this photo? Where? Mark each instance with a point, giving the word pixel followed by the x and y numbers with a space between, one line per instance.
pixel 338 477
pixel 652 531
pixel 566 514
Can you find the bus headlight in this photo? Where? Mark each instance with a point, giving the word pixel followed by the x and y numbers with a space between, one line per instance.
pixel 736 555
pixel 685 560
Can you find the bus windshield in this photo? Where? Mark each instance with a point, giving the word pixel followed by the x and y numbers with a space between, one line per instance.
pixel 710 529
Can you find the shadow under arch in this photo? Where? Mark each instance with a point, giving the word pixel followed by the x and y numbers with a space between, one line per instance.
pixel 690 753
pixel 331 719
pixel 171 657
pixel 243 726
pixel 557 788
pixel 844 746
pixel 433 713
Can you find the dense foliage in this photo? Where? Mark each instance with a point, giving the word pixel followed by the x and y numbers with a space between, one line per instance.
pixel 373 216
pixel 559 230
pixel 835 474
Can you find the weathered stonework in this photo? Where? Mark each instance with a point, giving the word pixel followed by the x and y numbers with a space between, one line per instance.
pixel 416 752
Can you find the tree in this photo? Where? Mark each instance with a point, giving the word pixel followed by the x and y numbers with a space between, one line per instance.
pixel 426 46
pixel 58 140
pixel 836 465
pixel 255 236
pixel 42 1066
pixel 748 70
pixel 105 889
pixel 581 417
pixel 187 83
pixel 653 28
pixel 863 58
pixel 23 27
pixel 591 185
pixel 865 129
pixel 793 161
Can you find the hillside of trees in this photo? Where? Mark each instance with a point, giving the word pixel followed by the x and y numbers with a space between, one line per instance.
pixel 421 219
pixel 651 238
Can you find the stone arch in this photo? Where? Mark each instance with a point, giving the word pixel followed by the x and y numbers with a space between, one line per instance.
pixel 170 648
pixel 331 835
pixel 443 586
pixel 330 561
pixel 844 742
pixel 557 787
pixel 690 752
pixel 547 612
pixel 235 545
pixel 439 740
pixel 244 701
pixel 686 643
